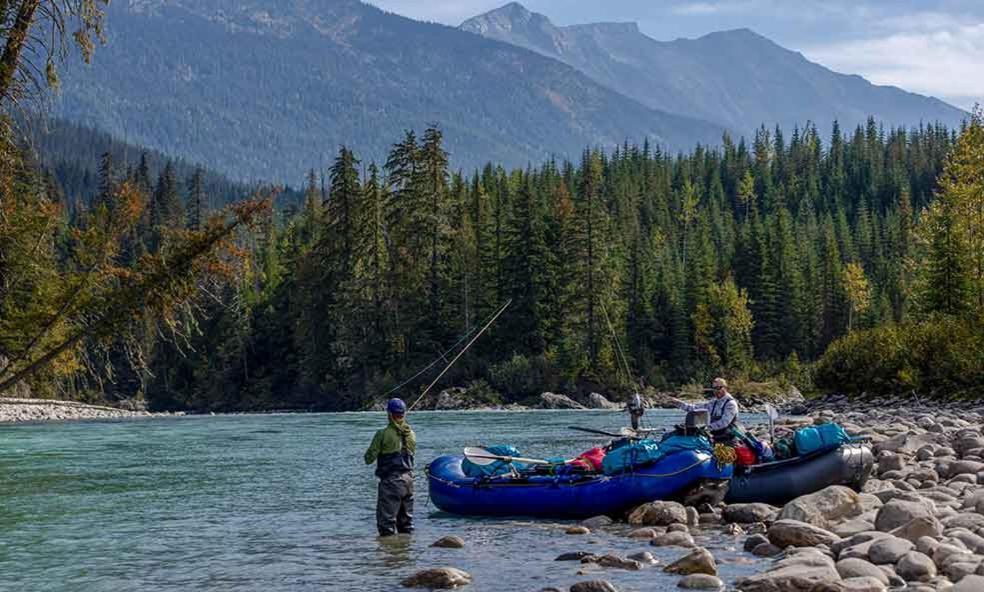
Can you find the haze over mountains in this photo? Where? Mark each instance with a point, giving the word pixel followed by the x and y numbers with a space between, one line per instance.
pixel 266 89
pixel 738 78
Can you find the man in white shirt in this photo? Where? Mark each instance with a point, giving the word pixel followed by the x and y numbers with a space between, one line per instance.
pixel 722 411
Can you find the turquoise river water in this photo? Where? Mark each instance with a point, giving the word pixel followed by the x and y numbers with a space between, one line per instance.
pixel 281 502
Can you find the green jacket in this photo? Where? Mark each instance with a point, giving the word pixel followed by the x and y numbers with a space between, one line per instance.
pixel 394 447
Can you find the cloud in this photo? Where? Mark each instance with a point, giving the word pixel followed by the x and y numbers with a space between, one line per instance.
pixel 941 57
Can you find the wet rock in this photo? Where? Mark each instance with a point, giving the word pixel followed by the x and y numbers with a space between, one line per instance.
pixel 698 560
pixel 555 401
pixel 594 586
pixel 791 533
pixel 643 533
pixel 644 557
pixel 755 540
pixel 449 542
pixel 658 514
pixel 578 530
pixel 441 578
pixel 734 530
pixel 701 582
pixel 616 562
pixel 857 568
pixel 677 528
pixel 824 507
pixel 766 550
pixel 597 522
pixel 889 550
pixel 673 539
pixel 899 512
pixel 693 518
pixel 748 513
pixel 575 556
pixel 915 567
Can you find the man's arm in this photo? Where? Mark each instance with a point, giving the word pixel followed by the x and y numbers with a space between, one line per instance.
pixel 373 452
pixel 727 416
pixel 690 406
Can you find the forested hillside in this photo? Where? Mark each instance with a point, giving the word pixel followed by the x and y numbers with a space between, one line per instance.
pixel 746 260
pixel 265 89
pixel 749 260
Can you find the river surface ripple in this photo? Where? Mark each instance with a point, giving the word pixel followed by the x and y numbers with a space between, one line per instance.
pixel 281 502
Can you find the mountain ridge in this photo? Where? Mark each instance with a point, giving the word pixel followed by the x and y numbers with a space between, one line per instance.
pixel 737 78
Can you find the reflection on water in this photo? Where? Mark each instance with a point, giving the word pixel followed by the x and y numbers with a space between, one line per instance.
pixel 279 502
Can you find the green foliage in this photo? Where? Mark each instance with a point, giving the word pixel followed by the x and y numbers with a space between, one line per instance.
pixel 939 357
pixel 520 377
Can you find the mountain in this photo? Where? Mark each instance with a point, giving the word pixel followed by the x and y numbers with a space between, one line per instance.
pixel 738 79
pixel 269 88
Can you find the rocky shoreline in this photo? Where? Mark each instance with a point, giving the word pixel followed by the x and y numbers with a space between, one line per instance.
pixel 918 524
pixel 18 410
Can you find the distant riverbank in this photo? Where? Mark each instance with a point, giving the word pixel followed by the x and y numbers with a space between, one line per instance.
pixel 29 410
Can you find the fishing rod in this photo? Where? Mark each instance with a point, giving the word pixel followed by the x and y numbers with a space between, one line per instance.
pixel 461 353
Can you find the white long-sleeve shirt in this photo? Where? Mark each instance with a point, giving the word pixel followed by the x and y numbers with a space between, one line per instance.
pixel 722 411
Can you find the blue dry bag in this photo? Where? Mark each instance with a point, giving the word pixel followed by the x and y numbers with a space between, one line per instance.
pixel 822 437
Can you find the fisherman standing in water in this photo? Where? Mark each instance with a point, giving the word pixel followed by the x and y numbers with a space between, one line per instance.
pixel 392 450
pixel 722 409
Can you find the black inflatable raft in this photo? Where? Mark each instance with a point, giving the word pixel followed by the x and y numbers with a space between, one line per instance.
pixel 779 482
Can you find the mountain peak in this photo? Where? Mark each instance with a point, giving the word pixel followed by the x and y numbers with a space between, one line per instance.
pixel 506 18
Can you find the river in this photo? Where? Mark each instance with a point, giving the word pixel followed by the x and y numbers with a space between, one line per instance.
pixel 281 502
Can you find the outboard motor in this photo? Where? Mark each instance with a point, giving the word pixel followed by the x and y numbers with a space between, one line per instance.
pixel 636 410
pixel 695 424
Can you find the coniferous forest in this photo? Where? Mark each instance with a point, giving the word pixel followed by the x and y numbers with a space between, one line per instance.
pixel 749 260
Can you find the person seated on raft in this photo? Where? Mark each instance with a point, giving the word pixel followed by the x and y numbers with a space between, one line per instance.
pixel 722 409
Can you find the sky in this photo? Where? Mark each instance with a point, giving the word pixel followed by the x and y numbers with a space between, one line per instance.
pixel 930 47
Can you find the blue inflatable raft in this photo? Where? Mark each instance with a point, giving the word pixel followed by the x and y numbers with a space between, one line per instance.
pixel 686 475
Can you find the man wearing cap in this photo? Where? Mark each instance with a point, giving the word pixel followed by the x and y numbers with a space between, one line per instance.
pixel 722 411
pixel 392 450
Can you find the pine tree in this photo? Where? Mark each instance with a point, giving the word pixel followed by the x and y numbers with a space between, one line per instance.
pixel 197 206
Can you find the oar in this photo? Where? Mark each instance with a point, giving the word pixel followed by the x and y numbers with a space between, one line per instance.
pixel 603 433
pixel 482 457
pixel 773 414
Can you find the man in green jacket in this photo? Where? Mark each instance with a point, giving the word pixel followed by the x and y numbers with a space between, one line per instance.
pixel 392 450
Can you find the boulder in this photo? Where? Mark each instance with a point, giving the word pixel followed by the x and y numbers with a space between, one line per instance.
pixel 857 539
pixel 899 512
pixel 658 514
pixel 798 572
pixel 598 401
pixel 889 550
pixel 578 530
pixel 556 401
pixel 701 582
pixel 440 578
pixel 862 584
pixel 673 539
pixel 698 560
pixel 594 586
pixel 824 507
pixel 449 542
pixel 971 583
pixel 693 517
pixel 915 567
pixel 452 399
pixel 858 568
pixel 961 467
pixel 597 522
pixel 919 527
pixel 766 550
pixel 748 513
pixel 792 533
